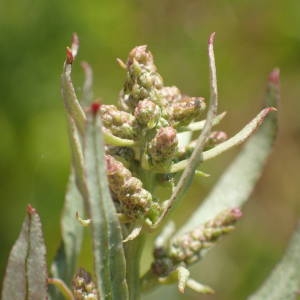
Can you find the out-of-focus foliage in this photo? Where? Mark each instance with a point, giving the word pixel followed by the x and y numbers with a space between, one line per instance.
pixel 252 38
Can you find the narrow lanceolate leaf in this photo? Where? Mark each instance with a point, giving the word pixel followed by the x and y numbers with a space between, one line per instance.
pixel 238 181
pixel 234 141
pixel 196 157
pixel 26 273
pixel 71 102
pixel 240 137
pixel 64 266
pixel 109 259
pixel 284 281
pixel 87 89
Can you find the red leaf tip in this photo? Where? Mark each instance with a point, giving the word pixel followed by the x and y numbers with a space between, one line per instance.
pixel 211 38
pixel 70 57
pixel 95 106
pixel 274 76
pixel 30 210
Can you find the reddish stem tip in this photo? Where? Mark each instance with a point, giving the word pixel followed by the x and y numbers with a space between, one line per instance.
pixel 211 38
pixel 274 76
pixel 30 209
pixel 70 57
pixel 95 106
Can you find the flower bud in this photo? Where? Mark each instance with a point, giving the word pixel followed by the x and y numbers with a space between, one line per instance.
pixel 83 286
pixel 120 123
pixel 147 113
pixel 163 147
pixel 141 55
pixel 183 111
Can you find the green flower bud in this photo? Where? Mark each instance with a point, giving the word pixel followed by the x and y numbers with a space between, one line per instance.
pixel 147 113
pixel 118 122
pixel 183 111
pixel 83 286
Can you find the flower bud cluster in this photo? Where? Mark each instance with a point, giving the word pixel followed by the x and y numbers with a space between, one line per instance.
pixel 83 286
pixel 132 199
pixel 189 247
pixel 142 82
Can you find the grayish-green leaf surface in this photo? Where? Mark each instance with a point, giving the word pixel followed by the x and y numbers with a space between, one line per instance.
pixel 26 273
pixel 72 233
pixel 238 181
pixel 284 281
pixel 109 259
pixel 196 158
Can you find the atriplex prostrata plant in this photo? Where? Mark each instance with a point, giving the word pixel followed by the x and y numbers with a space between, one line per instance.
pixel 120 156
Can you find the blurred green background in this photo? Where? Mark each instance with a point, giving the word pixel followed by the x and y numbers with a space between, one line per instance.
pixel 252 37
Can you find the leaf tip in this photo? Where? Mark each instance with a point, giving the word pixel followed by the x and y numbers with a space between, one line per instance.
pixel 211 38
pixel 30 210
pixel 69 56
pixel 75 40
pixel 94 107
pixel 274 76
pixel 121 63
pixel 84 65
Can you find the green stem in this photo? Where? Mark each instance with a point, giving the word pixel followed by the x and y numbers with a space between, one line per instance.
pixel 133 251
pixel 62 288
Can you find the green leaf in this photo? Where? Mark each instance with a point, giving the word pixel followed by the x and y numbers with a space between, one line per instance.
pixel 26 272
pixel 284 281
pixel 71 102
pixel 109 259
pixel 238 181
pixel 196 158
pixel 64 265
pixel 87 89
pixel 236 140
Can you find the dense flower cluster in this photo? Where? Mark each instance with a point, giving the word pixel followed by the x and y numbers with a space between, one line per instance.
pixel 146 129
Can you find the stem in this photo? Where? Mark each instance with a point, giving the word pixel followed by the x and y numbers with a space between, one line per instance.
pixel 62 288
pixel 133 251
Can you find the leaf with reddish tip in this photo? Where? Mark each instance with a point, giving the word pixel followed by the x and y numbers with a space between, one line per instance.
pixel 71 102
pixel 196 157
pixel 109 259
pixel 240 137
pixel 238 181
pixel 26 272
pixel 284 281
